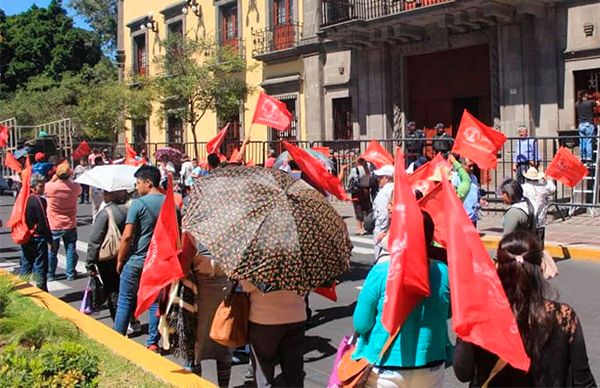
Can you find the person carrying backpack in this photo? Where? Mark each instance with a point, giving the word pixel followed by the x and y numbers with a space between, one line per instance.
pixel 103 245
pixel 520 216
pixel 359 186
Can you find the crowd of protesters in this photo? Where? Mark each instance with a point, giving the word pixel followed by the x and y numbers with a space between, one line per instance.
pixel 417 356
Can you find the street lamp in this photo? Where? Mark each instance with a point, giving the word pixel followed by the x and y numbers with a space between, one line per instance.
pixel 194 6
pixel 149 23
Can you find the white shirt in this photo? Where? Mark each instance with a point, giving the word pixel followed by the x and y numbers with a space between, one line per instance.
pixel 539 192
pixel 186 170
pixel 380 209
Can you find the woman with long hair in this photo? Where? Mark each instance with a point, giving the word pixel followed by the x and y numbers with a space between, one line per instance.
pixel 551 332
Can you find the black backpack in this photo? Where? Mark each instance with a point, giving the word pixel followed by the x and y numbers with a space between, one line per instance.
pixel 354 183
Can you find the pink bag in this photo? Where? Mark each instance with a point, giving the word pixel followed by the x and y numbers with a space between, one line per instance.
pixel 345 345
pixel 86 302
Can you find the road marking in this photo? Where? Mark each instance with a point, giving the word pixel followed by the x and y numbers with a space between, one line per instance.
pixel 364 251
pixel 57 286
pixel 82 246
pixel 362 240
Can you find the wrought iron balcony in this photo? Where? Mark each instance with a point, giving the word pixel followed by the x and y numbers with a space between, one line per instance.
pixel 339 11
pixel 276 42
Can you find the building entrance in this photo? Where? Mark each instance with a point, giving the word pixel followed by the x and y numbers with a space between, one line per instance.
pixel 441 85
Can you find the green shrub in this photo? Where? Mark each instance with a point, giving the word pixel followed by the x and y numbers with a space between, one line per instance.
pixel 64 364
pixel 7 290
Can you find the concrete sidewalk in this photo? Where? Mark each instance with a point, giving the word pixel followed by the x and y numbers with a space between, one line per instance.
pixel 575 238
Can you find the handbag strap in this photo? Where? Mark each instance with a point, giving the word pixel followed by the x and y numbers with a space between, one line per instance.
pixel 498 366
pixel 387 345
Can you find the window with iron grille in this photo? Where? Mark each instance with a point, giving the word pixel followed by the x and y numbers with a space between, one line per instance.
pixel 291 133
pixel 175 132
pixel 229 34
pixel 140 57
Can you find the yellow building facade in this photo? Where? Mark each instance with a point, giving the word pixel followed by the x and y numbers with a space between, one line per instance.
pixel 266 32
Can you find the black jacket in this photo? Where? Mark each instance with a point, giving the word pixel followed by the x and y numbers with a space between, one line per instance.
pixel 100 228
pixel 36 218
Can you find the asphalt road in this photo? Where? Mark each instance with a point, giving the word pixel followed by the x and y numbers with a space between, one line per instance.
pixel 576 284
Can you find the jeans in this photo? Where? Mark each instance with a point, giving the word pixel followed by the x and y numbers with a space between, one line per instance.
pixel 69 237
pixel 34 260
pixel 85 193
pixel 585 143
pixel 128 288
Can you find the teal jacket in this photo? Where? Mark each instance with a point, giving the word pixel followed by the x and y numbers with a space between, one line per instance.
pixel 424 336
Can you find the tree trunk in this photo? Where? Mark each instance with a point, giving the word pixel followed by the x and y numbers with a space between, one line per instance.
pixel 195 142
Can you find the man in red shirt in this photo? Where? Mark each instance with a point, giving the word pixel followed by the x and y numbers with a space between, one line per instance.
pixel 62 194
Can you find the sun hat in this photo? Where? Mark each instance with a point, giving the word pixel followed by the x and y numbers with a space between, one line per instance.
pixel 533 174
pixel 387 170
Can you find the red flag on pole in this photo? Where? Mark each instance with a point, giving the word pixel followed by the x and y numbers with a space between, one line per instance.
pixel 162 265
pixel 316 172
pixel 212 147
pixel 433 203
pixel 83 149
pixel 421 180
pixel 11 162
pixel 3 136
pixel 235 154
pixel 129 151
pixel 272 113
pixel 377 155
pixel 566 168
pixel 481 313
pixel 408 275
pixel 478 142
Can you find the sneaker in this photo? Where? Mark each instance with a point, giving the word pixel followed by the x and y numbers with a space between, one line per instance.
pixel 249 374
pixel 134 327
pixel 154 348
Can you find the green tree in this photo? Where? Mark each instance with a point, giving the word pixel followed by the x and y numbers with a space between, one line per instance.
pixel 198 76
pixel 43 41
pixel 101 15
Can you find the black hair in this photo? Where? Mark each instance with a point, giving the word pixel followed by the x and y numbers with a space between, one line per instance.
pixel 149 173
pixel 526 289
pixel 428 227
pixel 213 160
pixel 99 160
pixel 513 189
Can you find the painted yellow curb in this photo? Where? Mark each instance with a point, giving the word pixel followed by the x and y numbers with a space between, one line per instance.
pixel 162 368
pixel 558 251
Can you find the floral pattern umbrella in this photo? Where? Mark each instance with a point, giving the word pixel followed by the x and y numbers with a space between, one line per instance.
pixel 268 228
pixel 173 154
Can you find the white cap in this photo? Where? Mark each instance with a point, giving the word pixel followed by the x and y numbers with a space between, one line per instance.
pixel 387 170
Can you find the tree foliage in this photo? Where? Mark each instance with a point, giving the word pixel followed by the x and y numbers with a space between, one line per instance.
pixel 43 42
pixel 198 76
pixel 101 15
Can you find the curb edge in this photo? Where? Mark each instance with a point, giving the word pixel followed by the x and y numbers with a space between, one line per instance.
pixel 558 251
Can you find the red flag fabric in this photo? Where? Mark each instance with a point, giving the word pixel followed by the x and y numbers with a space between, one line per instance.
pixel 11 162
pixel 408 275
pixel 162 265
pixel 565 167
pixel 327 292
pixel 129 151
pixel 250 163
pixel 481 313
pixel 3 136
pixel 19 231
pixel 234 155
pixel 316 172
pixel 421 180
pixel 212 147
pixel 272 113
pixel 433 203
pixel 82 150
pixel 478 142
pixel 377 155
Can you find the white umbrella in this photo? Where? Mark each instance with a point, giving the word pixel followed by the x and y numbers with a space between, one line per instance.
pixel 113 177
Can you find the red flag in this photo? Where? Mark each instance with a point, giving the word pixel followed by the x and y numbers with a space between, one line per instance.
pixel 212 147
pixel 421 178
pixel 162 265
pixel 83 149
pixel 17 223
pixel 433 203
pixel 3 136
pixel 327 292
pixel 566 168
pixel 250 163
pixel 481 313
pixel 316 172
pixel 234 155
pixel 11 162
pixel 408 275
pixel 272 113
pixel 478 142
pixel 377 155
pixel 129 151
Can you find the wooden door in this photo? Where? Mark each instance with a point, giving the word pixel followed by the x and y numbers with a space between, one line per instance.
pixel 283 29
pixel 342 118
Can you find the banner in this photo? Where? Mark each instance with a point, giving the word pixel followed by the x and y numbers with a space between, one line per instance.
pixel 377 155
pixel 566 168
pixel 272 113
pixel 212 147
pixel 478 142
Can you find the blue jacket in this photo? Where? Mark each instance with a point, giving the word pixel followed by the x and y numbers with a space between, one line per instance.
pixel 424 336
